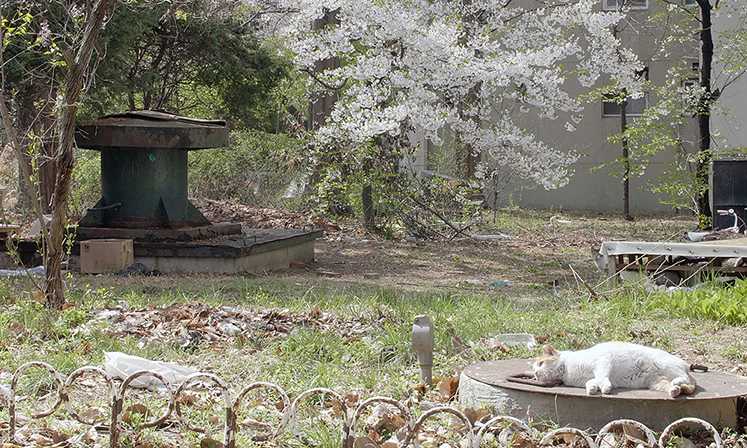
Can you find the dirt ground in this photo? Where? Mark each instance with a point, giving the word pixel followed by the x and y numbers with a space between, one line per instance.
pixel 516 255
pixel 522 248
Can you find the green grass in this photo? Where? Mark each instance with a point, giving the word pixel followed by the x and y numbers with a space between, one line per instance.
pixel 377 361
pixel 724 303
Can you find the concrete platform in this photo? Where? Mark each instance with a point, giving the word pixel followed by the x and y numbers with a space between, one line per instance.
pixel 486 384
pixel 181 234
pixel 256 251
pixel 253 251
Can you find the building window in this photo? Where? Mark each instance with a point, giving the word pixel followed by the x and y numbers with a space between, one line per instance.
pixel 634 108
pixel 689 3
pixel 613 5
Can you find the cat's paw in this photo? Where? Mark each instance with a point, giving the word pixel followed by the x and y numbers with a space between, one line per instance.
pixel 674 391
pixel 592 387
pixel 606 386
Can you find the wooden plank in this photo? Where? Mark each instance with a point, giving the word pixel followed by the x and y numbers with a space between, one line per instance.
pixel 673 249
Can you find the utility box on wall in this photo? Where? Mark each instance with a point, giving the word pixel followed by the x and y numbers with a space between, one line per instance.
pixel 729 191
pixel 108 255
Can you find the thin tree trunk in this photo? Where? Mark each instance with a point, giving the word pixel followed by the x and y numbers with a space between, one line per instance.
pixel 703 164
pixel 322 105
pixel 369 220
pixel 625 160
pixel 77 66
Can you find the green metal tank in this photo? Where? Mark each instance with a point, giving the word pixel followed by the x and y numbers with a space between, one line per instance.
pixel 144 168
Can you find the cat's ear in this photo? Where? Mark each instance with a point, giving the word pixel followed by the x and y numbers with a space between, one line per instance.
pixel 549 351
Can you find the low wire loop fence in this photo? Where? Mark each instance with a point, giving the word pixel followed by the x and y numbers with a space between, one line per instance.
pixel 279 416
pixel 625 426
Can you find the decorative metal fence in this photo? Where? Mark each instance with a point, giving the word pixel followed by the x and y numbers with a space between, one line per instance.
pixel 353 423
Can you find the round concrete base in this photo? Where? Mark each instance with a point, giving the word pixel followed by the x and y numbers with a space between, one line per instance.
pixel 485 384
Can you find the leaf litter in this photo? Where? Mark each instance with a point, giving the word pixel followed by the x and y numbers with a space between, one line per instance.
pixel 189 325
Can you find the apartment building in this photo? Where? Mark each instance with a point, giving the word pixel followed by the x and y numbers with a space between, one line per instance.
pixel 594 188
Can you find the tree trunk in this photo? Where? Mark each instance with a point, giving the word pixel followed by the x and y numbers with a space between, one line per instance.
pixel 322 105
pixel 703 164
pixel 625 160
pixel 319 109
pixel 77 66
pixel 369 220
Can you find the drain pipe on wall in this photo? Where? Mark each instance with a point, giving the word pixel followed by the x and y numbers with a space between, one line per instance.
pixel 423 341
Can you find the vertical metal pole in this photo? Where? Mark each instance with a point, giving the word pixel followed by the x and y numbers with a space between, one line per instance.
pixel 423 340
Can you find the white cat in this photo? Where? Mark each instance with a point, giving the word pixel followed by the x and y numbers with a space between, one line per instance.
pixel 616 364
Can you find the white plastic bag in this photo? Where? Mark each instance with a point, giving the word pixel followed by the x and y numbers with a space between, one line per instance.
pixel 4 393
pixel 120 365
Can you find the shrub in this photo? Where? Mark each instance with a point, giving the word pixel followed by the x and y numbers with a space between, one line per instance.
pixel 257 169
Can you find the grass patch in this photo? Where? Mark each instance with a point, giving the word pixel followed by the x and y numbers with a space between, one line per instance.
pixel 377 360
pixel 355 338
pixel 723 303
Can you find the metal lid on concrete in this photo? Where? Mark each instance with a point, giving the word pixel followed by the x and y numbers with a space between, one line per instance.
pixel 151 129
pixel 711 384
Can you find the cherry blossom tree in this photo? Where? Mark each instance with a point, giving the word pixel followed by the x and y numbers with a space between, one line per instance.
pixel 471 70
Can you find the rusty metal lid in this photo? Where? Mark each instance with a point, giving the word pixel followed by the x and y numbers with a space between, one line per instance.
pixel 151 129
pixel 711 384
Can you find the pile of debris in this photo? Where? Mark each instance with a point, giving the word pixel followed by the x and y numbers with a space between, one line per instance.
pixel 190 325
pixel 262 218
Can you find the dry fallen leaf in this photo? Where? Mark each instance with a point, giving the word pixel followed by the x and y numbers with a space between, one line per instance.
pixel 475 415
pixel 39 439
pixel 83 349
pixel 336 406
pixel 38 296
pixel 136 408
pixel 447 389
pixel 352 399
pixel 495 344
pixel 365 442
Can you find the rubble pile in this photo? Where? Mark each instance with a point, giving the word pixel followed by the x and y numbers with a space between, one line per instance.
pixel 189 325
pixel 234 211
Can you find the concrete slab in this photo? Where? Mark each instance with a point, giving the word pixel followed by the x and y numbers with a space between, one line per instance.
pixel 486 384
pixel 182 234
pixel 254 251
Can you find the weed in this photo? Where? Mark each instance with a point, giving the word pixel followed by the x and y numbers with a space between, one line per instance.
pixel 737 351
pixel 710 301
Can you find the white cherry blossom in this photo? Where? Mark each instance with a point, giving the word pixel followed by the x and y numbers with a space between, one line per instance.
pixel 471 68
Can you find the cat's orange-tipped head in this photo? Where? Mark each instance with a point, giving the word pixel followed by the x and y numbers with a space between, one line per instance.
pixel 545 367
pixel 549 351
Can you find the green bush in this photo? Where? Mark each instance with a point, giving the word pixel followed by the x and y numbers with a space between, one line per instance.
pixel 85 190
pixel 257 169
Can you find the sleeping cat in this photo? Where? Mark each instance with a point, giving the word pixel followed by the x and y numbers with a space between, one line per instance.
pixel 615 364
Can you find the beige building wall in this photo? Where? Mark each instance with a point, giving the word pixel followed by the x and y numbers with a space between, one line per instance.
pixel 602 189
pixel 731 123
pixel 599 189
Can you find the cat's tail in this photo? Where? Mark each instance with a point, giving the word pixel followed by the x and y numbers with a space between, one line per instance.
pixel 680 385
